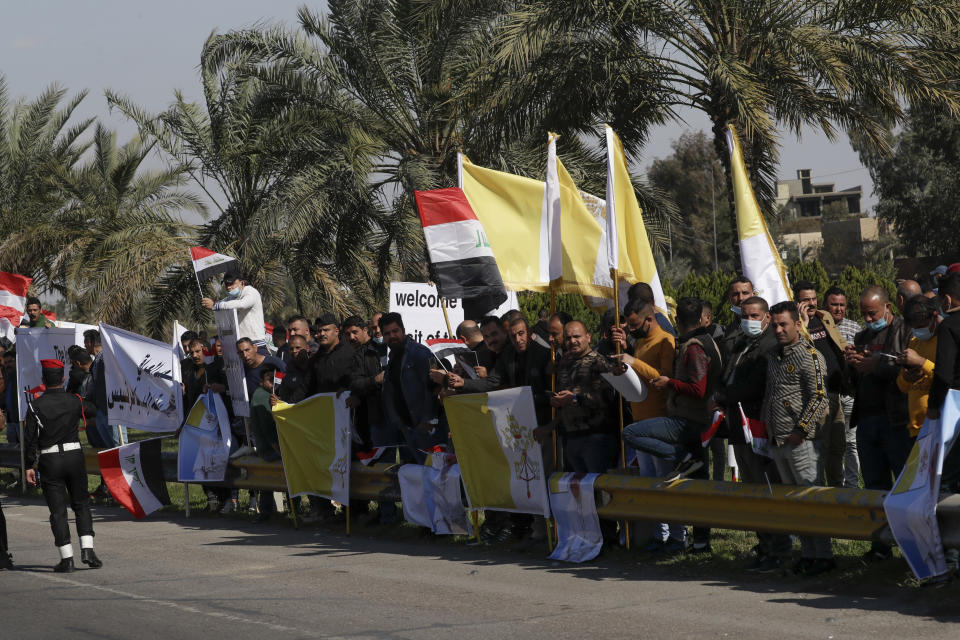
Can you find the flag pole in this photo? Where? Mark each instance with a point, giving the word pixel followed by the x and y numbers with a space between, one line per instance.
pixel 551 528
pixel 623 450
pixel 23 461
pixel 446 317
pixel 293 510
pixel 199 286
pixel 346 508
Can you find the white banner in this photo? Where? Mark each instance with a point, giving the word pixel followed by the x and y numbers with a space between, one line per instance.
pixel 579 538
pixel 911 506
pixel 419 304
pixel 143 381
pixel 204 445
pixel 36 344
pixel 227 324
pixel 431 498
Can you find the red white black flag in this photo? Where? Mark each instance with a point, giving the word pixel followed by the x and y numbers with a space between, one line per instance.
pixel 462 262
pixel 207 263
pixel 134 475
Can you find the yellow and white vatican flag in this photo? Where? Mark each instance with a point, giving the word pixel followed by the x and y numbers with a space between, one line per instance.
pixel 510 209
pixel 761 262
pixel 625 235
pixel 500 462
pixel 315 440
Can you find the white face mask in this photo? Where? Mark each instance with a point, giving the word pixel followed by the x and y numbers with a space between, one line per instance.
pixel 736 310
pixel 752 328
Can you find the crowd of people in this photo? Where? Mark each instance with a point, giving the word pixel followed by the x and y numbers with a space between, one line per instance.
pixel 837 400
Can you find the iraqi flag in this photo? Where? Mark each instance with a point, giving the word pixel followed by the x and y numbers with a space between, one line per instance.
pixel 707 436
pixel 462 261
pixel 755 433
pixel 134 475
pixel 208 263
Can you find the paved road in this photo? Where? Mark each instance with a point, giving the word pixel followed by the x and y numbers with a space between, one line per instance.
pixel 171 577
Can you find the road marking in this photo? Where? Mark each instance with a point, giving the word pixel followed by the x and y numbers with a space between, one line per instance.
pixel 181 607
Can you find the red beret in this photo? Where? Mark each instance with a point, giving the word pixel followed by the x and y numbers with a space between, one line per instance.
pixel 51 364
pixel 955 267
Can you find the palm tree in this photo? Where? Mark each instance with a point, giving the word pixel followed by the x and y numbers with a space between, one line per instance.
pixel 118 230
pixel 762 65
pixel 35 137
pixel 291 205
pixel 421 81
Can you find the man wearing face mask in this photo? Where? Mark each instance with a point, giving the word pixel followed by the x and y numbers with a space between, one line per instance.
pixel 831 438
pixel 652 357
pixel 246 300
pixel 296 382
pixel 917 360
pixel 880 409
pixel 742 385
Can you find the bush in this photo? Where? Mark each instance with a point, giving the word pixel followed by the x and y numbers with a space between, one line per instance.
pixel 531 303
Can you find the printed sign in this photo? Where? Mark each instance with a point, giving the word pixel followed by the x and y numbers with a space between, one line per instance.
pixel 419 304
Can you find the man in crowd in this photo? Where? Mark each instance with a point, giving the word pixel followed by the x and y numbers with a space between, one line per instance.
pixel 279 336
pixel 644 293
pixel 738 290
pixel 742 386
pixel 652 357
pixel 264 431
pixel 35 318
pixel 366 381
pixel 905 290
pixel 836 300
pixel 469 332
pixel 253 363
pixel 555 325
pixel 586 405
pixel 794 405
pixel 300 326
pixel 331 365
pixel 331 368
pixel 522 363
pixel 946 373
pixel 52 440
pixel 718 445
pixel 917 360
pixel 880 410
pixel 355 330
pixel 409 400
pixel 495 339
pixel 296 382
pixel 246 300
pixel 110 436
pixel 676 438
pixel 831 439
pixel 194 375
pixel 80 379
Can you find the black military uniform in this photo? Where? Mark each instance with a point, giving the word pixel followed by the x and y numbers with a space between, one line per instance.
pixel 53 444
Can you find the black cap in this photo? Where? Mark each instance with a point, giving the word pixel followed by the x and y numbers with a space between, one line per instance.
pixel 230 276
pixel 327 318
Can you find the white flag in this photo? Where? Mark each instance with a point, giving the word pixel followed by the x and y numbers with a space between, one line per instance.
pixel 143 381
pixel 431 498
pixel 579 538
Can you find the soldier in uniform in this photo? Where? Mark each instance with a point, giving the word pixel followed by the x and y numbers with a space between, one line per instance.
pixel 52 437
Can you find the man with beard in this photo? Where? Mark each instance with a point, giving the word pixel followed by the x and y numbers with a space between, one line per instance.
pixel 296 382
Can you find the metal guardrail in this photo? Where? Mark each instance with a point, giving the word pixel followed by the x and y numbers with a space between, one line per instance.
pixel 854 514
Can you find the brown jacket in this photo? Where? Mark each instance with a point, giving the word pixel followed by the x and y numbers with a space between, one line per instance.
pixel 653 358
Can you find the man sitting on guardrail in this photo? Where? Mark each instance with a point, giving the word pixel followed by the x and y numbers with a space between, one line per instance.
pixel 795 406
pixel 676 438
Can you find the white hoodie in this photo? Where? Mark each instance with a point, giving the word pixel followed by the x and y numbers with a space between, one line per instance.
pixel 249 308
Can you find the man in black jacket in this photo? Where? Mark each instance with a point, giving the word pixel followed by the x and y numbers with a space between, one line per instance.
pixel 880 410
pixel 52 438
pixel 742 384
pixel 946 373
pixel 330 366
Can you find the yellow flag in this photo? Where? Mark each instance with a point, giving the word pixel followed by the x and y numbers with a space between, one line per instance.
pixel 758 255
pixel 628 246
pixel 500 463
pixel 315 439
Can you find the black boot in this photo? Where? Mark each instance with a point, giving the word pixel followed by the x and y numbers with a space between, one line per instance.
pixel 6 561
pixel 64 566
pixel 89 558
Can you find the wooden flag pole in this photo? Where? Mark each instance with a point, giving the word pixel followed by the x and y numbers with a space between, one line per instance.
pixel 623 448
pixel 23 461
pixel 293 511
pixel 346 509
pixel 551 524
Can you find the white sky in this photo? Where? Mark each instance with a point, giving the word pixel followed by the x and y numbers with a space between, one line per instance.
pixel 147 49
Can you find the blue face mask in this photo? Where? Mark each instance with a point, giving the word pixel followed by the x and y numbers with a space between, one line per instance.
pixel 752 328
pixel 233 293
pixel 923 333
pixel 877 325
pixel 736 310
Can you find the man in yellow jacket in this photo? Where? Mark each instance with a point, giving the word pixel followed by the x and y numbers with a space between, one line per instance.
pixel 652 357
pixel 919 358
